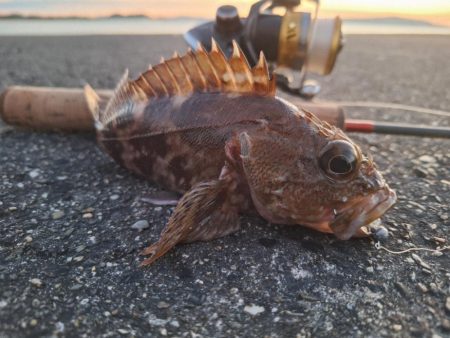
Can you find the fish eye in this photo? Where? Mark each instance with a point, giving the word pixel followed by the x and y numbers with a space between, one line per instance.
pixel 338 160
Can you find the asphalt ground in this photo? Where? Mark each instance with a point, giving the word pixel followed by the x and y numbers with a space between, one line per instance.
pixel 68 252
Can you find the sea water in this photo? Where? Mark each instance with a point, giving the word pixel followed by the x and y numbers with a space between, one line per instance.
pixel 146 26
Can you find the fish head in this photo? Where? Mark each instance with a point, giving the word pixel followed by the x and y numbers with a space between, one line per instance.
pixel 313 175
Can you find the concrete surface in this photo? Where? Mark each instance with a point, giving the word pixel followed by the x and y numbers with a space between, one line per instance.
pixel 68 253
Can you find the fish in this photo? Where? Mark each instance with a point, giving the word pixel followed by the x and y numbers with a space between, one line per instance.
pixel 212 129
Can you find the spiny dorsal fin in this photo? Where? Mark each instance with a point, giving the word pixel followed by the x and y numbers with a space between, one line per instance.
pixel 196 71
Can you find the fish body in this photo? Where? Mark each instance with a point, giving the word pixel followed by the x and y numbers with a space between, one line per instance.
pixel 213 130
pixel 180 141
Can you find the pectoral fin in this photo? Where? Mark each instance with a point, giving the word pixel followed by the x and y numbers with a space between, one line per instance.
pixel 204 213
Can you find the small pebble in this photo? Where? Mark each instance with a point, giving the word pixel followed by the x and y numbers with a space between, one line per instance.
pixel 433 226
pixel 114 197
pixel 175 323
pixel 427 159
pixel 140 225
pixel 447 304
pixel 420 172
pixel 401 288
pixel 254 309
pixel 80 248
pixel 88 215
pixel 396 327
pixel 58 214
pixel 28 239
pixel 421 262
pixel 36 282
pixel 76 287
pixel 34 173
pixel 439 240
pixel 422 287
pixel 381 234
pixel 163 305
pixel 445 324
pixel 60 327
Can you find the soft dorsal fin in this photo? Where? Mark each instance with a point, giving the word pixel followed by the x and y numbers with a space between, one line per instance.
pixel 196 71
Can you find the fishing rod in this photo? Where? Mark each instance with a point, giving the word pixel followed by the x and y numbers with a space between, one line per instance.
pixel 69 109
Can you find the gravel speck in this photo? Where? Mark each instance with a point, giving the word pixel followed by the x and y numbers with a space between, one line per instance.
pixel 57 214
pixel 396 327
pixel 34 173
pixel 36 282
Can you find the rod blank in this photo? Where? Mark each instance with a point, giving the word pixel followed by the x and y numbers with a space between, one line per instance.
pixel 367 126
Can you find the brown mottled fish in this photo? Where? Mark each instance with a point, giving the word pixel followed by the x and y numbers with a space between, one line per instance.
pixel 213 129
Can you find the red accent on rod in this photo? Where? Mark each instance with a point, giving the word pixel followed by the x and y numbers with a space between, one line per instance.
pixel 363 126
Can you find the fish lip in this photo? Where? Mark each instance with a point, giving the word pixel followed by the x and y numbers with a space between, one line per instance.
pixel 363 212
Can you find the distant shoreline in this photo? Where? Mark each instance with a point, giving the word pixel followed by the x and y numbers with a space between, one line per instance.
pixel 115 16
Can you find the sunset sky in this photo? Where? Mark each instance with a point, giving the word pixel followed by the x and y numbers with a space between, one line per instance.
pixel 433 10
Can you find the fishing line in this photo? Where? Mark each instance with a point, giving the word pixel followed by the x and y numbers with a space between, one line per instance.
pixel 378 246
pixel 388 105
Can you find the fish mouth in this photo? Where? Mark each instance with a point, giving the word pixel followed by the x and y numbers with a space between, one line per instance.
pixel 364 211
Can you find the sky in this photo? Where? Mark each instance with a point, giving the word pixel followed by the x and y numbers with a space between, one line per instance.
pixel 437 11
